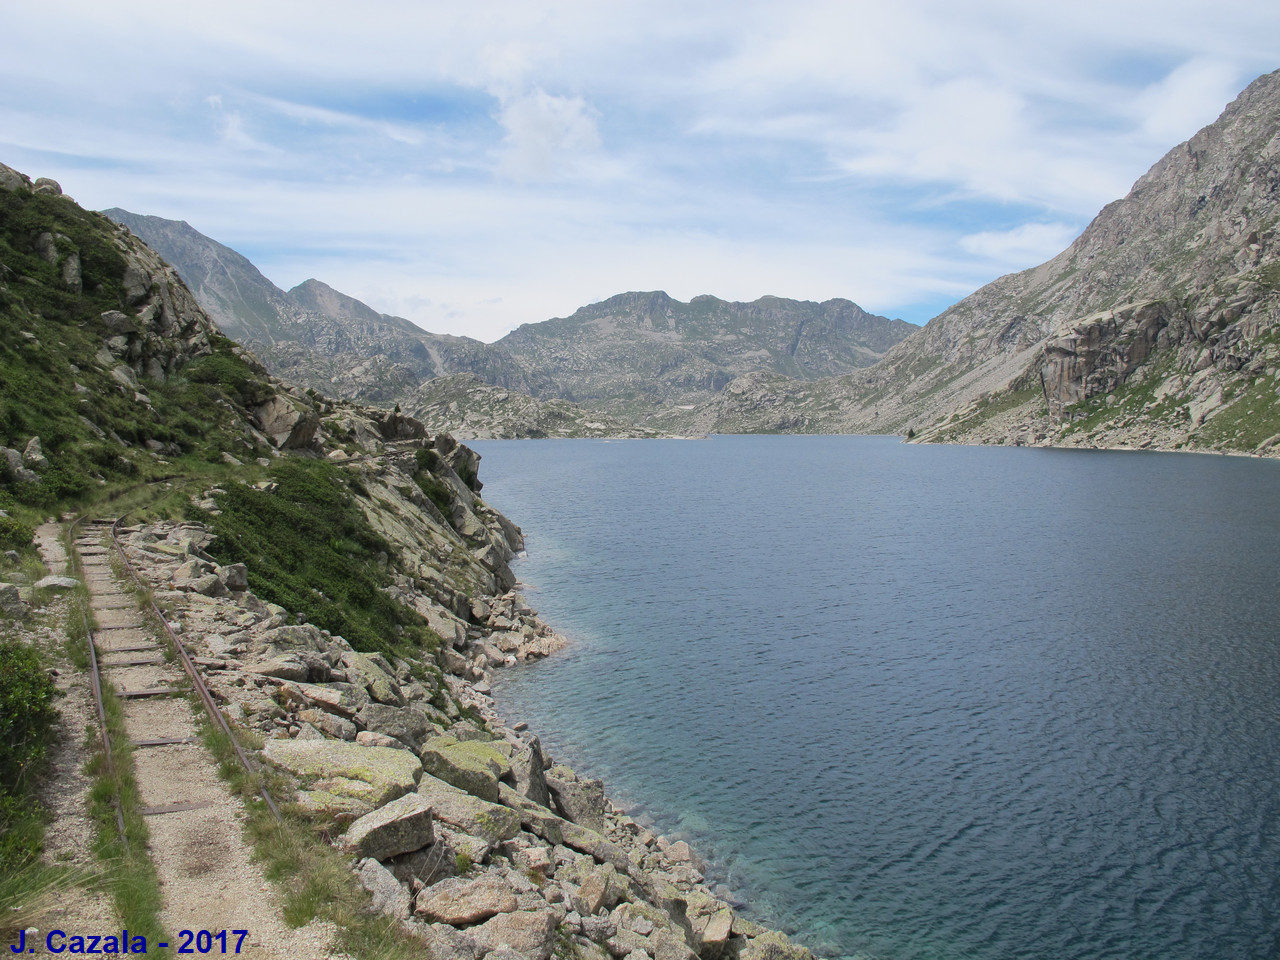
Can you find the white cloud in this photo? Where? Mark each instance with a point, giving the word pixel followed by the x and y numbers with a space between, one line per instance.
pixel 1189 97
pixel 547 137
pixel 1027 245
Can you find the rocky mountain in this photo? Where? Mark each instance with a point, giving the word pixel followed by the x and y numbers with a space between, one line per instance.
pixel 1156 327
pixel 640 355
pixel 630 358
pixel 346 595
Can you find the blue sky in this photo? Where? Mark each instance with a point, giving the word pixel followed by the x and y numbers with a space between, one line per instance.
pixel 474 169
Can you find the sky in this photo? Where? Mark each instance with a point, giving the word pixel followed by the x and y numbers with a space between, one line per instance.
pixel 474 167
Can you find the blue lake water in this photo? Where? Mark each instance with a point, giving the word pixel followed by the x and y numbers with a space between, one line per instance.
pixel 923 702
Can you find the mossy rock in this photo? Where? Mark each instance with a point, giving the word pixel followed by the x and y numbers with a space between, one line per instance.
pixel 491 822
pixel 367 775
pixel 471 765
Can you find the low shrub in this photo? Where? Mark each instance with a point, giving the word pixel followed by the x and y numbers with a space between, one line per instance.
pixel 27 713
pixel 14 534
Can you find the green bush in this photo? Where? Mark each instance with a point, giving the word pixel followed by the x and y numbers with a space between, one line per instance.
pixel 14 535
pixel 225 369
pixel 27 714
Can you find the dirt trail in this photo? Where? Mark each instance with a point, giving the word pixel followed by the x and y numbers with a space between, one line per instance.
pixel 207 878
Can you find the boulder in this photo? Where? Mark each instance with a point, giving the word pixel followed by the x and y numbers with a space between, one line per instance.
pixel 531 933
pixel 459 901
pixel 771 945
pixel 377 678
pixel 388 896
pixel 401 826
pixel 491 822
pixel 288 667
pixel 327 723
pixel 581 801
pixel 408 725
pixel 208 585
pixel 713 933
pixel 33 456
pixel 291 637
pixel 11 180
pixel 289 425
pixel 13 460
pixel 537 819
pixel 369 775
pixel 235 576
pixel 528 768
pixel 57 583
pixel 344 699
pixel 667 945
pixel 600 890
pixel 629 944
pixel 193 568
pixel 48 186
pixel 11 604
pixel 473 765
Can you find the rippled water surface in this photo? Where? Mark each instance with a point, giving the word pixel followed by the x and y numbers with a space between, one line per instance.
pixel 924 702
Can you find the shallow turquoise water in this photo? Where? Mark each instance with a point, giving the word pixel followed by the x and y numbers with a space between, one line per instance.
pixel 924 702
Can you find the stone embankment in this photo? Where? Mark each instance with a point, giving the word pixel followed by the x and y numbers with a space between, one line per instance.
pixel 462 828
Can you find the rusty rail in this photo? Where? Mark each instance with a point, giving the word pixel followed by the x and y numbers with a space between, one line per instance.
pixel 197 681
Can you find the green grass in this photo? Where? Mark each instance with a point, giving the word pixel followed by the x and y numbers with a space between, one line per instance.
pixel 991 407
pixel 310 548
pixel 1252 417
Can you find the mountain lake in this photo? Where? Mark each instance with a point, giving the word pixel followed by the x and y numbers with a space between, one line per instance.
pixel 908 702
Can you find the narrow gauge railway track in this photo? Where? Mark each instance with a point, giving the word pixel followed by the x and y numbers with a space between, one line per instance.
pixel 208 881
pixel 124 650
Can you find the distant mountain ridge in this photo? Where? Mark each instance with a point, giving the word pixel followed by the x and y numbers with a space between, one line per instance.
pixel 638 355
pixel 631 358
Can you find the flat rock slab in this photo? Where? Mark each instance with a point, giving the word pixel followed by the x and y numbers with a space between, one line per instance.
pixel 480 818
pixel 119 618
pixel 367 775
pixel 462 902
pixel 110 640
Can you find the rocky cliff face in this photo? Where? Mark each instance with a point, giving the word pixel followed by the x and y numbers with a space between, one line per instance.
pixel 1157 327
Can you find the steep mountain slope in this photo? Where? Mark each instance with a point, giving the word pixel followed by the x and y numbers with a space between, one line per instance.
pixel 1157 326
pixel 637 355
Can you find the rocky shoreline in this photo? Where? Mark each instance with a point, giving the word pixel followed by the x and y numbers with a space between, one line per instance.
pixel 461 827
